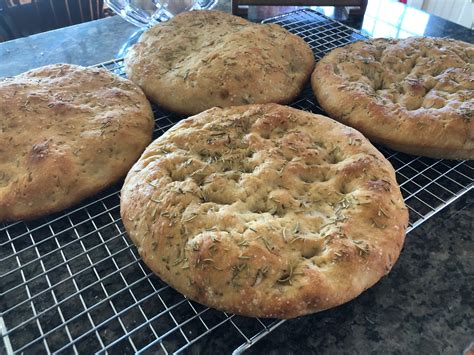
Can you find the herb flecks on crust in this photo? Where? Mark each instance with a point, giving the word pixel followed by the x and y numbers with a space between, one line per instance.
pixel 415 95
pixel 66 132
pixel 203 59
pixel 265 210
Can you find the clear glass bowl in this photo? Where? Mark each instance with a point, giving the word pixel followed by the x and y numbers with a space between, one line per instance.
pixel 146 13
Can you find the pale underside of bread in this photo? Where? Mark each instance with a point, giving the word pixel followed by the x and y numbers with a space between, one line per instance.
pixel 414 95
pixel 265 210
pixel 204 59
pixel 67 132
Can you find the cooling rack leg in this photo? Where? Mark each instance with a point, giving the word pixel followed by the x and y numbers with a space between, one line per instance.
pixel 6 338
pixel 255 339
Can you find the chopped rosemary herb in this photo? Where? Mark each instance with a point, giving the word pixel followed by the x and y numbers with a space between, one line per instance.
pixel 378 225
pixel 267 244
pixel 195 246
pixel 244 257
pixel 287 278
pixel 190 218
pixel 179 261
pixel 381 212
pixel 244 243
pixel 150 183
pixel 186 75
pixel 295 239
pixel 363 248
pixel 215 239
pixel 296 230
pixel 261 272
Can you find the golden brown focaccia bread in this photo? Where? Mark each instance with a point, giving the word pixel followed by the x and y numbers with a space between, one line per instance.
pixel 66 132
pixel 203 59
pixel 265 210
pixel 414 95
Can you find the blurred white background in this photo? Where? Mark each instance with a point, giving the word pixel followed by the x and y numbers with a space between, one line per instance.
pixel 459 11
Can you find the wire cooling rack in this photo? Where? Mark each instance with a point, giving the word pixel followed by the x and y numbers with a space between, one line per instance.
pixel 73 282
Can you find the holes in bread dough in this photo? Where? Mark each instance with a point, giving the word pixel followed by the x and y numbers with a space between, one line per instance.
pixel 325 177
pixel 258 207
pixel 345 189
pixel 279 211
pixel 285 276
pixel 233 175
pixel 203 155
pixel 262 208
pixel 218 198
pixel 335 156
pixel 177 175
pixel 198 177
pixel 246 169
pixel 265 135
pixel 315 175
pixel 267 206
pixel 224 93
pixel 311 178
pixel 309 253
pixel 318 144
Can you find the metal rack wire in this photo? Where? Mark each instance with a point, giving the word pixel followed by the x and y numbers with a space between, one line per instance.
pixel 73 281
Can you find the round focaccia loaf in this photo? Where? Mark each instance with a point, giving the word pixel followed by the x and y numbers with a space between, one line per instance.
pixel 265 210
pixel 66 132
pixel 203 59
pixel 414 95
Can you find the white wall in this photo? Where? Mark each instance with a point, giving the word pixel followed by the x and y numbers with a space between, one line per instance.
pixel 459 11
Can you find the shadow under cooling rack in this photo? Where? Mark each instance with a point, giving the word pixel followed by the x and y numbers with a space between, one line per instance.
pixel 74 282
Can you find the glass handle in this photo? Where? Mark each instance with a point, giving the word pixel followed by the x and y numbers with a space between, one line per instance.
pixel 146 13
pixel 133 15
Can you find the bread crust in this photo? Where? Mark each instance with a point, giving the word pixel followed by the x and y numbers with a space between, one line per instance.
pixel 66 132
pixel 415 95
pixel 203 59
pixel 265 210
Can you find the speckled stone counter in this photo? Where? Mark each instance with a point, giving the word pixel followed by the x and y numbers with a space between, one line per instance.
pixel 85 44
pixel 99 41
pixel 424 306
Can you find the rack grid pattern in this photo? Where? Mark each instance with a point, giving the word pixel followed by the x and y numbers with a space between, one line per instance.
pixel 73 282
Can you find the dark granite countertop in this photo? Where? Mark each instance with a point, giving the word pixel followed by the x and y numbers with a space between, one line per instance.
pixel 99 41
pixel 425 306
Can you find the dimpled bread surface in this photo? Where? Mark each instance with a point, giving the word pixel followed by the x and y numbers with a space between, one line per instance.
pixel 66 132
pixel 265 210
pixel 415 95
pixel 202 59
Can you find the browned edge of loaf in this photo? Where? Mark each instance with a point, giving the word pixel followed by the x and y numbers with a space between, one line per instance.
pixel 411 132
pixel 317 293
pixel 178 98
pixel 48 157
